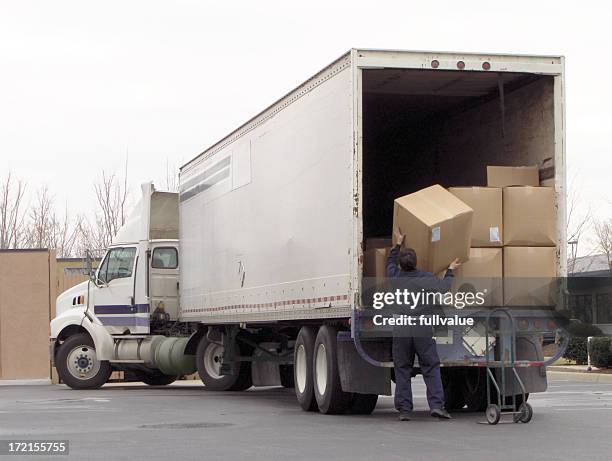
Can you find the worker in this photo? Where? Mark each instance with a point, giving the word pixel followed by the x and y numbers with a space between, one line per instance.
pixel 419 339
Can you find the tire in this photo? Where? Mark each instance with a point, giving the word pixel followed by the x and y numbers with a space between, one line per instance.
pixel 363 404
pixel 208 361
pixel 493 413
pixel 154 378
pixel 302 368
pixel 331 399
pixel 78 366
pixel 526 413
pixel 286 376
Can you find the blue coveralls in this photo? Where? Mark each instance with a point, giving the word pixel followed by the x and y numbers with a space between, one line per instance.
pixel 421 343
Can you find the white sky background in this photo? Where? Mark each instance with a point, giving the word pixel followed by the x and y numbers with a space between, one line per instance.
pixel 81 83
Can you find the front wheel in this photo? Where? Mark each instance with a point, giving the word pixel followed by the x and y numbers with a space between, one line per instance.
pixel 78 366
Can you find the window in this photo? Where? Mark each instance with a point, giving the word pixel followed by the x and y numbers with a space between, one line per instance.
pixel 164 258
pixel 117 264
pixel 604 307
pixel 580 306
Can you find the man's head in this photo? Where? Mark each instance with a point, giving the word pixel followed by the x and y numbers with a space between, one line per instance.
pixel 408 259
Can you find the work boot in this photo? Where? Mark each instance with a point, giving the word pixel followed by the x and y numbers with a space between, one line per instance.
pixel 440 413
pixel 404 416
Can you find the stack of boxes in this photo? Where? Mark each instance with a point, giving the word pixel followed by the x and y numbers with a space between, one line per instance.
pixel 514 237
pixel 505 235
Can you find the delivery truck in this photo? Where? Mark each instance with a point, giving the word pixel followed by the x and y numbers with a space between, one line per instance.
pixel 253 273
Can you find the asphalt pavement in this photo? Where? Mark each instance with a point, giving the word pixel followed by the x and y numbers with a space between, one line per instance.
pixel 571 421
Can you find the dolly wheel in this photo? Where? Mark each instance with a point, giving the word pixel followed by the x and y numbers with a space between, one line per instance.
pixel 493 413
pixel 526 413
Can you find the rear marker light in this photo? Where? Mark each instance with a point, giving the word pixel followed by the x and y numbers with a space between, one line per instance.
pixel 486 65
pixel 460 65
pixel 435 64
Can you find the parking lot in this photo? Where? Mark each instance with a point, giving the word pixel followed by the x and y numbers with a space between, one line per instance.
pixel 571 421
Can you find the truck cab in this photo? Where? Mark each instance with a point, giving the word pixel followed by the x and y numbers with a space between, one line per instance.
pixel 110 321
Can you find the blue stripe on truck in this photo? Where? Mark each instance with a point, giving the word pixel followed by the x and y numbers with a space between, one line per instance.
pixel 127 321
pixel 122 309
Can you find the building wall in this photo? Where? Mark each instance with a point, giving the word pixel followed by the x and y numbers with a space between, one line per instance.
pixel 71 272
pixel 27 296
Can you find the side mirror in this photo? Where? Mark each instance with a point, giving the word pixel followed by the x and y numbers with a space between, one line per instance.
pixel 89 266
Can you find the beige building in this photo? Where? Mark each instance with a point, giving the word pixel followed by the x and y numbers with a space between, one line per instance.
pixel 27 300
pixel 30 281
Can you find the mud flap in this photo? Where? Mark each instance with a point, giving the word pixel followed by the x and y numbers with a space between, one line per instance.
pixel 356 375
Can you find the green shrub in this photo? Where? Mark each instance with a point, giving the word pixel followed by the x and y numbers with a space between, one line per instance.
pixel 577 350
pixel 583 330
pixel 577 346
pixel 601 352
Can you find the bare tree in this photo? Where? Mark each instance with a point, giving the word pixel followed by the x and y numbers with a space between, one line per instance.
pixel 45 229
pixel 11 213
pixel 578 219
pixel 172 178
pixel 91 236
pixel 40 221
pixel 64 234
pixel 603 239
pixel 111 196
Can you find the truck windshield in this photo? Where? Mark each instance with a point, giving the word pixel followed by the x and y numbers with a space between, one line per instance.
pixel 118 263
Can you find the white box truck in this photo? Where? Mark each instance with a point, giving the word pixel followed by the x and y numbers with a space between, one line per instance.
pixel 253 273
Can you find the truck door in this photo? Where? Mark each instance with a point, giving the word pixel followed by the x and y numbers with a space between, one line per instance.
pixel 114 303
pixel 163 280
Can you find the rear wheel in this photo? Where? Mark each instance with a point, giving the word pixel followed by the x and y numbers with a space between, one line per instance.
pixel 78 365
pixel 331 399
pixel 209 357
pixel 302 368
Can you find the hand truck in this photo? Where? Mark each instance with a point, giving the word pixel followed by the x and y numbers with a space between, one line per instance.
pixel 506 352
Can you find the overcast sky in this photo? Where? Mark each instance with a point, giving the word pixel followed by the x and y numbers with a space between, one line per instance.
pixel 82 83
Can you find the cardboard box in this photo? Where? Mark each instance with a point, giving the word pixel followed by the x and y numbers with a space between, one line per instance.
pixel 437 225
pixel 529 216
pixel 482 273
pixel 375 262
pixel 529 276
pixel 487 224
pixel 503 176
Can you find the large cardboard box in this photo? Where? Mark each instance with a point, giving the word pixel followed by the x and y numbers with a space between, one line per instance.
pixel 529 216
pixel 529 276
pixel 375 262
pixel 487 224
pixel 437 225
pixel 503 176
pixel 482 273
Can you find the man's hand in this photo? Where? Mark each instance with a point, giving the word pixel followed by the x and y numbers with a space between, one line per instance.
pixel 399 237
pixel 455 264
